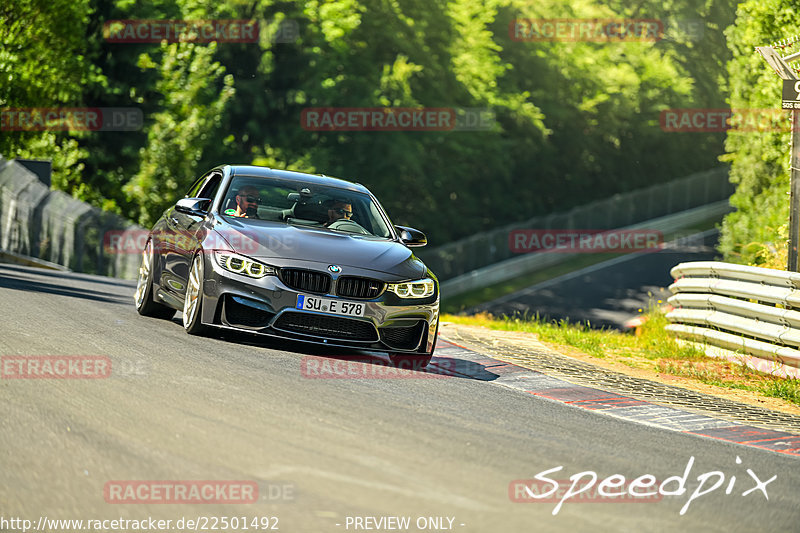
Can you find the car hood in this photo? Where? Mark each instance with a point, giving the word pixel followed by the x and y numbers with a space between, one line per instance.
pixel 284 245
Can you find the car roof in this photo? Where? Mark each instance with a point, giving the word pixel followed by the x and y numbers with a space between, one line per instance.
pixel 265 172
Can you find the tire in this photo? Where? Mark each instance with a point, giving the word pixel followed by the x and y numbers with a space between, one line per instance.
pixel 143 297
pixel 410 361
pixel 193 302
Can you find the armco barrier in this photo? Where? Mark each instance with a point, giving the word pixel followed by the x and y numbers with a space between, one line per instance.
pixel 51 225
pixel 461 258
pixel 742 309
pixel 531 262
pixel 55 227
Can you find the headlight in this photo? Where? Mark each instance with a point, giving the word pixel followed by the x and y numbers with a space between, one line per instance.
pixel 413 289
pixel 241 265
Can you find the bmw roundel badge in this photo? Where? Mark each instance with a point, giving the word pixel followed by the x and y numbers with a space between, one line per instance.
pixel 334 268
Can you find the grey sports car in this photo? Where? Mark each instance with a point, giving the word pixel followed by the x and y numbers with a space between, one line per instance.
pixel 292 255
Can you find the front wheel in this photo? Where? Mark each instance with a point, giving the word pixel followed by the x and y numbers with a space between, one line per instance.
pixel 145 304
pixel 193 302
pixel 409 361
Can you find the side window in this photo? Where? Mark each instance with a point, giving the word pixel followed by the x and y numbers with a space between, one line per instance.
pixel 211 186
pixel 196 187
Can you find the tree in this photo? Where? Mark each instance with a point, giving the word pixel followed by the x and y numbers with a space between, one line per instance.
pixel 193 100
pixel 755 233
pixel 573 121
pixel 43 64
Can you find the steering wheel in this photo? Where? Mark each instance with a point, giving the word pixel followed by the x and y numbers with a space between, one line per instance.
pixel 348 226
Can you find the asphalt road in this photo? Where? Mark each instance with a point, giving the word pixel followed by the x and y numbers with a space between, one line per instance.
pixel 609 293
pixel 239 408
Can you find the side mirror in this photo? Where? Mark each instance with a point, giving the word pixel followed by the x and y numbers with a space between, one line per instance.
pixel 411 237
pixel 197 207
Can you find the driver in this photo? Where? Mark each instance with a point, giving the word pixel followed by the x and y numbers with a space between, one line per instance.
pixel 247 201
pixel 339 210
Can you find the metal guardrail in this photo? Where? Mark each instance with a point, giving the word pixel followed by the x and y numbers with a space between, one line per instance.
pixel 531 262
pixel 744 309
pixel 459 258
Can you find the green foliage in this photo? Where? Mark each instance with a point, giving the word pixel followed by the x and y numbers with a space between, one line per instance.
pixel 574 121
pixel 191 106
pixel 43 63
pixel 755 233
pixel 42 60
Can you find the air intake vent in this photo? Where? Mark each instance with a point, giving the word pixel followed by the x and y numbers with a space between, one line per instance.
pixel 243 315
pixel 330 327
pixel 403 338
pixel 361 288
pixel 306 280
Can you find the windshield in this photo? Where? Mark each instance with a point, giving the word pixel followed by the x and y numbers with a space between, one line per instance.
pixel 305 204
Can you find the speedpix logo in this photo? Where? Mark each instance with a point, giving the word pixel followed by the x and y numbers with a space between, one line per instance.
pixel 544 489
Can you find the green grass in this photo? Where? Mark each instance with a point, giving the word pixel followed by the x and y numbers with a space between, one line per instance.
pixel 653 348
pixel 592 341
pixel 787 390
pixel 655 342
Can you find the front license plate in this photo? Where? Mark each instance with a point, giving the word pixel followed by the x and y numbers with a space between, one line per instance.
pixel 327 305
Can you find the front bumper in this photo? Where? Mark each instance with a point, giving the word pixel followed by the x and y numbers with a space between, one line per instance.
pixel 268 306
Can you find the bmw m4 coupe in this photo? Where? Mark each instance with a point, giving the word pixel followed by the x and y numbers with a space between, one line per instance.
pixel 292 255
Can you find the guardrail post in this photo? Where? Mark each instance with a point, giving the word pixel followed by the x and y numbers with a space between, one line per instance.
pixel 794 209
